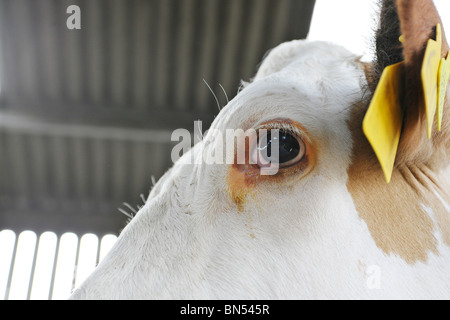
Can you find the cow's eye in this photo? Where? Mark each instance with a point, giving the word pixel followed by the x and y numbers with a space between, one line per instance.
pixel 291 149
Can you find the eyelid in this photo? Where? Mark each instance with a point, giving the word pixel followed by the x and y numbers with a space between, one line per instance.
pixel 285 126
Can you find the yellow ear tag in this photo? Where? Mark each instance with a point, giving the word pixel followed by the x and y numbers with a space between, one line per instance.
pixel 443 77
pixel 430 70
pixel 382 123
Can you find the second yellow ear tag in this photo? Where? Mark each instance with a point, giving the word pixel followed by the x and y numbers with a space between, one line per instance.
pixel 443 77
pixel 430 70
pixel 382 123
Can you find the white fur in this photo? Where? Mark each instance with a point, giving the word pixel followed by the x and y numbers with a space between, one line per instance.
pixel 301 239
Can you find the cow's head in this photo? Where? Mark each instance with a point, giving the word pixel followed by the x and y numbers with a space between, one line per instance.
pixel 327 223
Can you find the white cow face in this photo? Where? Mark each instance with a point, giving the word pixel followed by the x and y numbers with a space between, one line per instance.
pixel 306 90
pixel 225 230
pixel 326 225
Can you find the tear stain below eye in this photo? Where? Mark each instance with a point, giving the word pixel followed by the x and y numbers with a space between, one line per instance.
pixel 242 179
pixel 240 185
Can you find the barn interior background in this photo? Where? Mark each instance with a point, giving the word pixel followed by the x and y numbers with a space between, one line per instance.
pixel 86 115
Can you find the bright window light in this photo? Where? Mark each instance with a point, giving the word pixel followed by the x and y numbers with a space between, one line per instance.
pixel 44 266
pixel 87 259
pixel 7 241
pixel 351 23
pixel 23 265
pixel 106 245
pixel 65 268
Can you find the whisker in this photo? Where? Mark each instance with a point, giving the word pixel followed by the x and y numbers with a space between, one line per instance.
pixel 126 213
pixel 134 211
pixel 200 135
pixel 226 96
pixel 215 97
pixel 130 207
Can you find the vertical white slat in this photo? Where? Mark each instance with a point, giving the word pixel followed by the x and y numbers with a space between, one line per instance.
pixel 65 267
pixel 87 258
pixel 32 270
pixel 118 52
pixel 44 266
pixel 23 265
pixel 106 245
pixel 53 269
pixel 7 248
pixel 143 53
pixel 209 44
pixel 53 275
pixel 11 267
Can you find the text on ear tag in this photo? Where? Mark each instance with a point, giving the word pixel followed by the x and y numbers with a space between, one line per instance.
pixel 382 124
pixel 429 74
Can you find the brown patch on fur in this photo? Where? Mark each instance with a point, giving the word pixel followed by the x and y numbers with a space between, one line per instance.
pixel 369 72
pixel 396 213
pixel 440 187
pixel 393 213
pixel 243 178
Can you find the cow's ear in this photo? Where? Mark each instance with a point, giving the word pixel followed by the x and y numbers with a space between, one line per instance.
pixel 405 28
pixel 418 24
pixel 389 49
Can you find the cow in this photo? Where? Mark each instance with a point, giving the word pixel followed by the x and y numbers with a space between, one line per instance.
pixel 326 224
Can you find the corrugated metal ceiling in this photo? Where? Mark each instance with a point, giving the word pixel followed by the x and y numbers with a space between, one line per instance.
pixel 86 115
